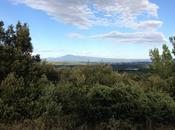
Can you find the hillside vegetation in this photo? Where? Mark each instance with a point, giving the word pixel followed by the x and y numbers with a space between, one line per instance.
pixel 37 96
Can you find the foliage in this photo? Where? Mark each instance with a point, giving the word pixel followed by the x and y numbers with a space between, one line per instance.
pixel 162 64
pixel 36 95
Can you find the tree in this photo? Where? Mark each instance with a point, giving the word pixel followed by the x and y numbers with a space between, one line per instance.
pixel 15 50
pixel 162 64
pixel 156 60
pixel 18 38
pixel 23 39
pixel 172 40
pixel 2 32
pixel 10 36
pixel 11 91
pixel 167 61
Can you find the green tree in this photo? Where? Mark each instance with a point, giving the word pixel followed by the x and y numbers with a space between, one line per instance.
pixel 2 32
pixel 15 50
pixel 172 40
pixel 162 64
pixel 10 36
pixel 11 90
pixel 156 59
pixel 23 39
pixel 167 61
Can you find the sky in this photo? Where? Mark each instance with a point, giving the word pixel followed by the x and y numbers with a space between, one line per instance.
pixel 125 29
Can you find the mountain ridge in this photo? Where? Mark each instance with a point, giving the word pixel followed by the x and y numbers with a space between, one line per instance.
pixel 79 58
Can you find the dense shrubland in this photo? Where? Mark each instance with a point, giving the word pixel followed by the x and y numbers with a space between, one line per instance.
pixel 35 95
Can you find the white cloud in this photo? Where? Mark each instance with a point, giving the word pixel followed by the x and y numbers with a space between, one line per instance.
pixel 149 25
pixel 75 36
pixel 73 12
pixel 86 13
pixel 136 37
pixel 120 37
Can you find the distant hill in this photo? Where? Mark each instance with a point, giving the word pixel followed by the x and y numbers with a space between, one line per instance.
pixel 75 58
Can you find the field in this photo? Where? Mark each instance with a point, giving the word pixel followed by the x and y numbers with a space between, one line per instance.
pixel 130 67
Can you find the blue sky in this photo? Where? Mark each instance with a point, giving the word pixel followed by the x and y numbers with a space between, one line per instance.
pixel 102 28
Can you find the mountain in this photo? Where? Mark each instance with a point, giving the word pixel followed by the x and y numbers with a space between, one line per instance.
pixel 75 58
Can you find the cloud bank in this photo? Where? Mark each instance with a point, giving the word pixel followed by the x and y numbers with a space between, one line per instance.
pixel 88 13
pixel 120 37
pixel 136 37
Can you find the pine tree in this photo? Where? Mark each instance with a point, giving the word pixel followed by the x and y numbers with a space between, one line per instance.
pixel 162 64
pixel 23 39
pixel 172 40
pixel 167 61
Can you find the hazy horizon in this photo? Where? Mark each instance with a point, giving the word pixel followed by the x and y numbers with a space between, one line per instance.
pixel 95 57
